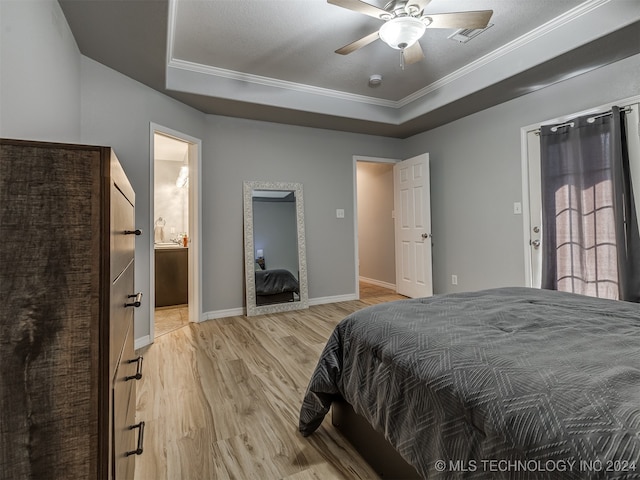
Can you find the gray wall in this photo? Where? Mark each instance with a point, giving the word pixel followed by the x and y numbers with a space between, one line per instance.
pixel 40 73
pixel 51 92
pixel 322 160
pixel 376 236
pixel 117 111
pixel 79 100
pixel 476 176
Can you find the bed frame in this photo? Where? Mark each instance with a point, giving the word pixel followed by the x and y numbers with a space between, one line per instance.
pixel 370 443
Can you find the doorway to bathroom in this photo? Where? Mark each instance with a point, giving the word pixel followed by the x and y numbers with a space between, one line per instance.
pixel 175 216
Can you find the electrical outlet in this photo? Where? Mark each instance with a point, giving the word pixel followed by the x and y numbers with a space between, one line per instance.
pixel 340 213
pixel 454 279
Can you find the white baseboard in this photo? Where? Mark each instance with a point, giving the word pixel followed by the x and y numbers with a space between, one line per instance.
pixel 142 342
pixel 241 311
pixel 233 312
pixel 333 299
pixel 230 312
pixel 379 283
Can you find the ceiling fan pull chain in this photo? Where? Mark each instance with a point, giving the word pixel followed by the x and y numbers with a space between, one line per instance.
pixel 402 59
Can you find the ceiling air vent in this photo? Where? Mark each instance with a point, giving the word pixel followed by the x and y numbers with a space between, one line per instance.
pixel 464 34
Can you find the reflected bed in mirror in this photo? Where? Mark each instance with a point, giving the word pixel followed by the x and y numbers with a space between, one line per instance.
pixel 274 247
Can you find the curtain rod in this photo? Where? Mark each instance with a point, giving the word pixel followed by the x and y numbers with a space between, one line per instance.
pixel 625 109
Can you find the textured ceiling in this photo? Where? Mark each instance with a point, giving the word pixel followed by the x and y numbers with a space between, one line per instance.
pixel 295 41
pixel 274 60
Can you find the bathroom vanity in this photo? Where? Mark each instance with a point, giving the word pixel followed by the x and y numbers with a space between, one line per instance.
pixel 172 275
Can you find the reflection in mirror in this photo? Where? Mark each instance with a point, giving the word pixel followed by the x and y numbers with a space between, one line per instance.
pixel 274 247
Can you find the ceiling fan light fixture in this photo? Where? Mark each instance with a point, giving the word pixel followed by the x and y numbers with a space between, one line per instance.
pixel 402 32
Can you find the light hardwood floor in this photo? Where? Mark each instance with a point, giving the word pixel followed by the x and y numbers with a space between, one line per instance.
pixel 221 399
pixel 168 319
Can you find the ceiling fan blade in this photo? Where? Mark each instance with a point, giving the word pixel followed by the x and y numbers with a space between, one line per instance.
pixel 360 7
pixel 470 20
pixel 413 54
pixel 352 47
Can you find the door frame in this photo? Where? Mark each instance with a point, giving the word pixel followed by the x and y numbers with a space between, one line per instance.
pixel 195 216
pixel 356 159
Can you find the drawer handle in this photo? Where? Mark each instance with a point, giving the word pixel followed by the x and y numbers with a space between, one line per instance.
pixel 137 231
pixel 137 302
pixel 137 451
pixel 138 374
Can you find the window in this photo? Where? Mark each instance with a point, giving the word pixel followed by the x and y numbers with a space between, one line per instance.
pixel 585 242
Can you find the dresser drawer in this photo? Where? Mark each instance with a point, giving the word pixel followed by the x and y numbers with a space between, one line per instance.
pixel 121 316
pixel 122 221
pixel 125 436
pixel 127 441
pixel 125 433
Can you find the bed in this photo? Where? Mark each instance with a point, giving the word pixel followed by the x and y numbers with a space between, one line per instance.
pixel 275 286
pixel 502 383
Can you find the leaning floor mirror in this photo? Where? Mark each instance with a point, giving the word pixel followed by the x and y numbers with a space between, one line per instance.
pixel 274 247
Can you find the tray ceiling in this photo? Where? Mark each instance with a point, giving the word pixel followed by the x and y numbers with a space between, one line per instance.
pixel 274 60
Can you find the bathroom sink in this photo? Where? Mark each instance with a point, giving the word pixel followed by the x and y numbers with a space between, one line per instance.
pixel 167 245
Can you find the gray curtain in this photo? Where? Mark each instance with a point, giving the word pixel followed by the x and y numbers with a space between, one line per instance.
pixel 590 236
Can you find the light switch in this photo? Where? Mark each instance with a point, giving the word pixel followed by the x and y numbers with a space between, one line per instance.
pixel 517 208
pixel 340 213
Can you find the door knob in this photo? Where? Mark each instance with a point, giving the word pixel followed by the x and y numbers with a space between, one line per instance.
pixel 426 235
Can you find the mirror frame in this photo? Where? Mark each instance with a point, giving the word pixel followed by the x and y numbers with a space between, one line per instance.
pixel 249 250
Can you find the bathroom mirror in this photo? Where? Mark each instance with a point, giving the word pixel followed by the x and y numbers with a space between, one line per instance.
pixel 274 247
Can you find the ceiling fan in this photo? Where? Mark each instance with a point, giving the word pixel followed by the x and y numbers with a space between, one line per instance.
pixel 406 22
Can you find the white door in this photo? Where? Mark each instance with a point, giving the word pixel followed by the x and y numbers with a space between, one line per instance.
pixel 412 208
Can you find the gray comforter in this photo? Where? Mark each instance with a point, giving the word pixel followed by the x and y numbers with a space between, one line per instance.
pixel 504 383
pixel 272 282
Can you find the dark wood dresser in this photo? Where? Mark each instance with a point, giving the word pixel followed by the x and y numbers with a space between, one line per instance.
pixel 68 369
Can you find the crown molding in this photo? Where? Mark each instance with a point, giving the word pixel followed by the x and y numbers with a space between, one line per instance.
pixel 512 46
pixel 276 83
pixel 506 49
pixel 257 79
